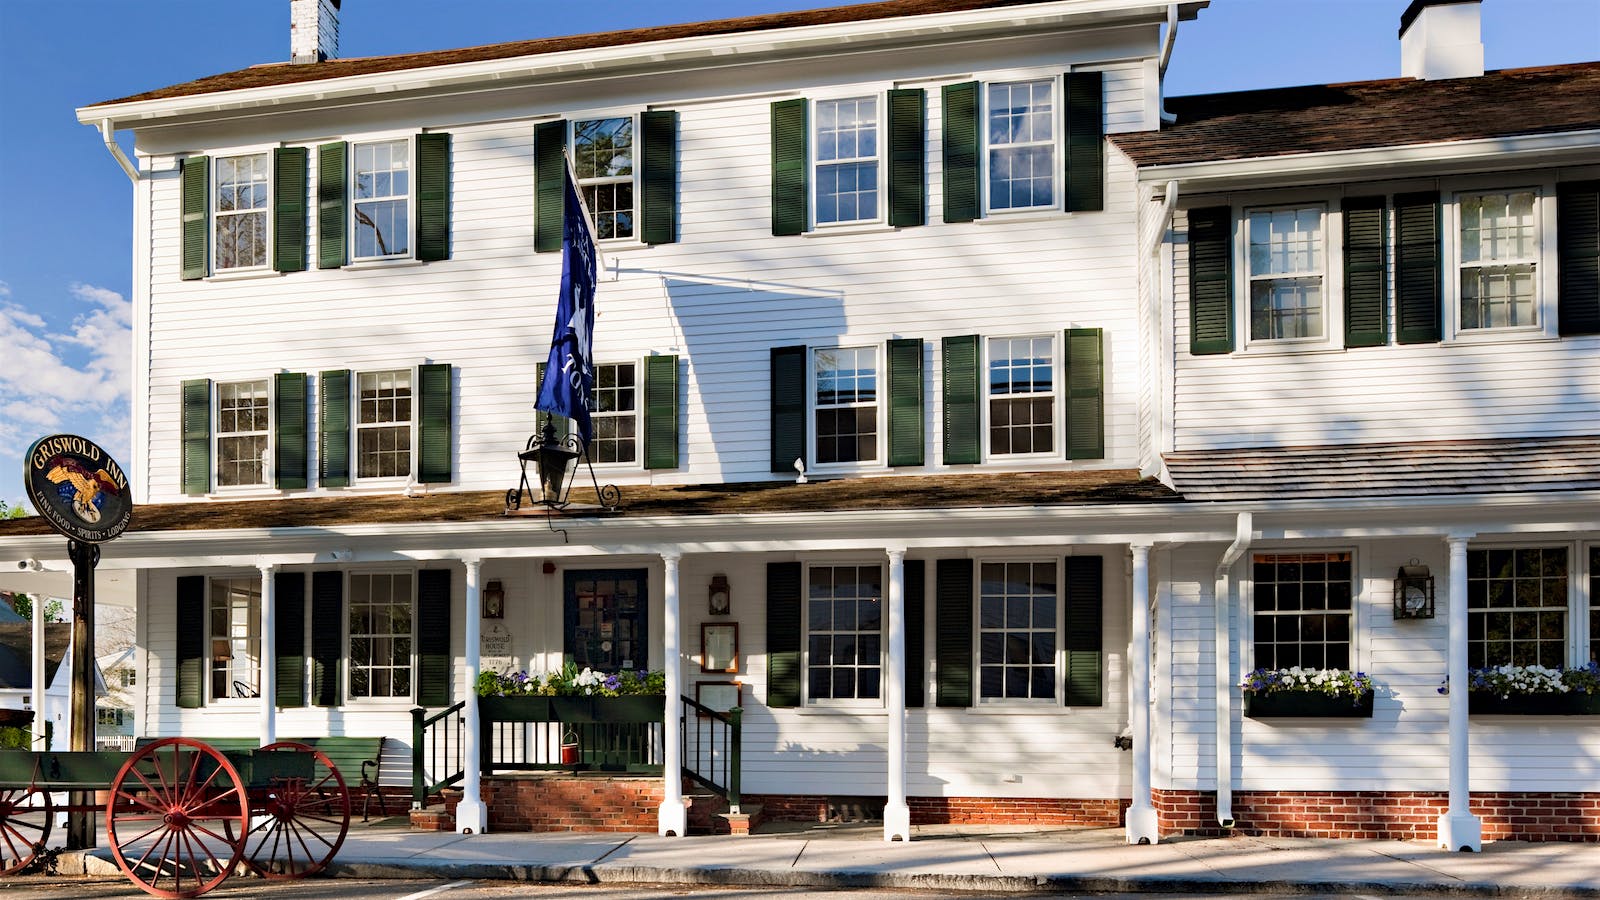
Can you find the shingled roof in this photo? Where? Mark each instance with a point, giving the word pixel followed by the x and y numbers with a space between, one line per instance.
pixel 275 74
pixel 968 491
pixel 1368 114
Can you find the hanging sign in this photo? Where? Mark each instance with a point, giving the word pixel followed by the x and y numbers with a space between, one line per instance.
pixel 78 488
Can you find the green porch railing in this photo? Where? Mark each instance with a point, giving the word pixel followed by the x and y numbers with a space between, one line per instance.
pixel 438 751
pixel 711 746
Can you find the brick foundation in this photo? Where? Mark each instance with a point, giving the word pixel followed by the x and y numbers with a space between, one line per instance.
pixel 566 802
pixel 945 810
pixel 1386 815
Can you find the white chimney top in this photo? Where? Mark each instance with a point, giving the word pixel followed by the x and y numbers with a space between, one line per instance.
pixel 1441 39
pixel 313 30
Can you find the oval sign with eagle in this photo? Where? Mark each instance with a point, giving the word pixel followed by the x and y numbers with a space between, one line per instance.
pixel 78 488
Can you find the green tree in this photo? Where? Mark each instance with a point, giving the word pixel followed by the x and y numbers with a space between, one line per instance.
pixel 7 511
pixel 54 610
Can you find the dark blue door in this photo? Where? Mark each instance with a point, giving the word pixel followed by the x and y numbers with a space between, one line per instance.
pixel 605 621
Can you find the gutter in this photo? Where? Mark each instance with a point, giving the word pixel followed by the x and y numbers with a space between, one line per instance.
pixel 1166 58
pixel 1223 591
pixel 109 135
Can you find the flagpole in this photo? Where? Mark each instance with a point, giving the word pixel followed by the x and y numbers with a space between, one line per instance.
pixel 600 258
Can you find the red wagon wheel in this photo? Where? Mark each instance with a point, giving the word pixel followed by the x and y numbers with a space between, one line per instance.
pixel 26 816
pixel 300 823
pixel 174 806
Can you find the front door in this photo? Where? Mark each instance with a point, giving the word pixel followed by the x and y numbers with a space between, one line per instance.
pixel 605 622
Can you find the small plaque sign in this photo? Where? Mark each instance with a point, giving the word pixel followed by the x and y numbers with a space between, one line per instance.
pixel 78 488
pixel 495 642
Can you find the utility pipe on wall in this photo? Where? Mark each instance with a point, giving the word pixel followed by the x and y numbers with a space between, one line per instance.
pixel 1223 589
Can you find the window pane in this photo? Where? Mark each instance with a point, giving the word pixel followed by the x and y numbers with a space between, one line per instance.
pixel 846 143
pixel 844 626
pixel 1022 149
pixel 1302 611
pixel 240 220
pixel 1016 630
pixel 1285 261
pixel 1499 251
pixel 1021 388
pixel 382 191
pixel 1517 606
pixel 845 404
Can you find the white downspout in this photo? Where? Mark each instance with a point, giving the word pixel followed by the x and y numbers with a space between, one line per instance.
pixel 1166 58
pixel 1158 232
pixel 110 137
pixel 1224 668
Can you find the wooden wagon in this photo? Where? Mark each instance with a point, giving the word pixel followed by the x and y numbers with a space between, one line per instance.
pixel 180 815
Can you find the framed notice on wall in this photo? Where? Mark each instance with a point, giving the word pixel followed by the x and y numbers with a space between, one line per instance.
pixel 719 647
pixel 718 696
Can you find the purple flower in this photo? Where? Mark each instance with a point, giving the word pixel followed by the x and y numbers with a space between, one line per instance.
pixel 612 682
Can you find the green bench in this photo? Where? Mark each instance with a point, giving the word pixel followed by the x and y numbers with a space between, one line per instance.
pixel 349 755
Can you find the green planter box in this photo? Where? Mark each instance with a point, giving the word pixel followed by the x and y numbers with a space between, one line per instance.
pixel 608 710
pixel 514 709
pixel 1480 703
pixel 1306 705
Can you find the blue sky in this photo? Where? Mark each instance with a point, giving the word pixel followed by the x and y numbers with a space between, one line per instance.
pixel 65 207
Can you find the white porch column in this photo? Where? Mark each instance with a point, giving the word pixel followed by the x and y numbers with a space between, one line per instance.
pixel 1142 827
pixel 1459 829
pixel 472 817
pixel 269 655
pixel 896 813
pixel 40 716
pixel 673 818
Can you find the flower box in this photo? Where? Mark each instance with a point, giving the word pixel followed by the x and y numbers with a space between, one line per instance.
pixel 1483 703
pixel 609 710
pixel 1306 705
pixel 514 709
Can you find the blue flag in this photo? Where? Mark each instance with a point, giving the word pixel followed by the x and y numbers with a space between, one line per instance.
pixel 569 373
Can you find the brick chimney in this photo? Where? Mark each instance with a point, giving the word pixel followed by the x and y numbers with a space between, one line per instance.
pixel 313 30
pixel 1441 39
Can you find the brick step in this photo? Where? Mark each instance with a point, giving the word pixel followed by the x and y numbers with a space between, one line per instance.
pixel 433 818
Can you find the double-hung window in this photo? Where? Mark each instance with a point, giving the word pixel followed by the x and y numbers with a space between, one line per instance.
pixel 847 161
pixel 1021 123
pixel 603 155
pixel 1017 613
pixel 244 431
pixel 615 414
pixel 1022 395
pixel 844 633
pixel 234 613
pixel 383 424
pixel 380 634
pixel 846 404
pixel 243 188
pixel 1285 262
pixel 1303 610
pixel 381 195
pixel 1499 253
pixel 1594 603
pixel 1517 606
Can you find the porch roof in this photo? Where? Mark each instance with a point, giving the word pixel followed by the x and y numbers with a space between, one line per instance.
pixel 1424 468
pixel 932 492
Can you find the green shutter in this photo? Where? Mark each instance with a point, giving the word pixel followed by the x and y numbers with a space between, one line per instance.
pixel 1086 131
pixel 289 589
pixel 661 412
pixel 783 634
pixel 916 629
pixel 549 182
pixel 789 167
pixel 961 413
pixel 434 662
pixel 333 429
pixel 327 637
pixel 433 423
pixel 433 196
pixel 961 152
pixel 952 647
pixel 788 407
pixel 1578 251
pixel 905 403
pixel 289 431
pixel 331 189
pixel 196 436
pixel 908 162
pixel 658 177
pixel 195 222
pixel 1086 407
pixel 191 649
pixel 289 166
pixel 1211 280
pixel 1416 263
pixel 1366 239
pixel 1081 636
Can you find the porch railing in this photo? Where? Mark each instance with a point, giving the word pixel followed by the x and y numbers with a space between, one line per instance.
pixel 711 742
pixel 438 754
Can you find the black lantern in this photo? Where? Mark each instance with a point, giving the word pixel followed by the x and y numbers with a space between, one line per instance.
pixel 1413 592
pixel 556 461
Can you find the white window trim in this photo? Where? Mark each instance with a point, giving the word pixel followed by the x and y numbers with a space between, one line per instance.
pixel 878 95
pixel 1247 595
pixel 1586 598
pixel 410 139
pixel 345 664
pixel 828 703
pixel 1577 587
pixel 1546 268
pixel 638 414
pixel 210 658
pixel 268 474
pixel 1057 451
pixel 880 460
pixel 1058 132
pixel 213 216
pixel 638 170
pixel 1333 313
pixel 355 424
pixel 1056 703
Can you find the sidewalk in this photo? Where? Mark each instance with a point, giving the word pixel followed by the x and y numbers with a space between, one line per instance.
pixel 953 859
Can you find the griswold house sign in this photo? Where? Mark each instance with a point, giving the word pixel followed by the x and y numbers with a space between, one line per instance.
pixel 78 488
